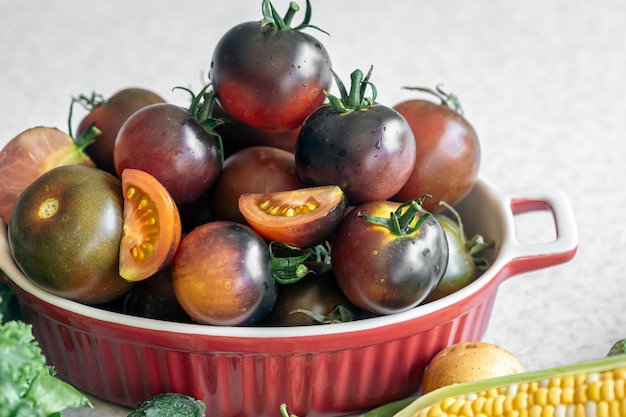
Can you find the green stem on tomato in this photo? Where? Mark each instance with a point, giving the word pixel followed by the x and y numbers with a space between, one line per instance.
pixel 448 100
pixel 403 220
pixel 356 99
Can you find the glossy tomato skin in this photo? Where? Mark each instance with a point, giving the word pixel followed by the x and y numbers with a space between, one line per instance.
pixel 302 218
pixel 448 157
pixel 65 234
pixel 384 273
pixel 369 153
pixel 109 117
pixel 165 141
pixel 257 169
pixel 316 292
pixel 222 275
pixel 269 78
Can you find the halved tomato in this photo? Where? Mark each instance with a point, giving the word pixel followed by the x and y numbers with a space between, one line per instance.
pixel 152 226
pixel 304 217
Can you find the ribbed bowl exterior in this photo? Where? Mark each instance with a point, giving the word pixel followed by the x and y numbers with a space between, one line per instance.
pixel 126 368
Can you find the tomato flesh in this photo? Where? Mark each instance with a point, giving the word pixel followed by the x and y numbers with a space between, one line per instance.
pixel 152 226
pixel 301 218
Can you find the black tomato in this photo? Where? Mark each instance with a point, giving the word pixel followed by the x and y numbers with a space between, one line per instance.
pixel 222 275
pixel 367 149
pixel 169 143
pixel 65 233
pixel 109 115
pixel 448 157
pixel 268 75
pixel 258 169
pixel 389 263
pixel 314 299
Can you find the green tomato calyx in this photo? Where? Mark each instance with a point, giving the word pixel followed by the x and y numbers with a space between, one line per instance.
pixel 405 220
pixel 355 99
pixel 447 99
pixel 273 19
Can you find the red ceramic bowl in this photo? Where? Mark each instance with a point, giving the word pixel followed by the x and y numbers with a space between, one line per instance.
pixel 317 370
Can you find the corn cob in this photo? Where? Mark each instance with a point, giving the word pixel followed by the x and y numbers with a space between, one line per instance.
pixel 586 389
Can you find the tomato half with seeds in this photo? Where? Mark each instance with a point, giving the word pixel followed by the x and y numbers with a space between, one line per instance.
pixel 257 169
pixel 152 226
pixel 303 218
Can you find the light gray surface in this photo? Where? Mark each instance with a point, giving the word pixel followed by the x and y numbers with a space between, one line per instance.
pixel 542 81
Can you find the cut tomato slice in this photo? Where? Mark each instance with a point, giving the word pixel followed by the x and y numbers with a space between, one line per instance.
pixel 304 217
pixel 152 226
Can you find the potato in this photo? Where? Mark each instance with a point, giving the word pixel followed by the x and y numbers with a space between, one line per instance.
pixel 468 361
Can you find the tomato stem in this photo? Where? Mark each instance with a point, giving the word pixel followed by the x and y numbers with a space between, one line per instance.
pixel 89 135
pixel 448 100
pixel 288 266
pixel 273 19
pixel 403 220
pixel 355 100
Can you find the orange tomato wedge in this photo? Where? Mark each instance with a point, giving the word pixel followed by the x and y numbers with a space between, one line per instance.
pixel 152 226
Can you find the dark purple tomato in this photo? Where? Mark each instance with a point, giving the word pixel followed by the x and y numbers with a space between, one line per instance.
pixel 222 275
pixel 387 269
pixel 366 148
pixel 314 299
pixel 369 153
pixel 258 169
pixel 109 116
pixel 448 157
pixel 166 141
pixel 269 76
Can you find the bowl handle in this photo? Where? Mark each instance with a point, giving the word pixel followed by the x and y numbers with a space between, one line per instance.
pixel 531 256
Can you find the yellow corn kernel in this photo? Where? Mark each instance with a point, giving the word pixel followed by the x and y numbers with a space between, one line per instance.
pixel 586 394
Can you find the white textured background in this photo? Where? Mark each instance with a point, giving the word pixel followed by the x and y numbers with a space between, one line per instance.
pixel 543 82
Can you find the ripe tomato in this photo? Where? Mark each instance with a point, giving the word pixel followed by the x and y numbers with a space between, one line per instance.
pixel 108 116
pixel 367 149
pixel 28 155
pixel 65 234
pixel 152 226
pixel 301 218
pixel 448 157
pixel 268 75
pixel 257 169
pixel 169 143
pixel 316 293
pixel 222 275
pixel 387 266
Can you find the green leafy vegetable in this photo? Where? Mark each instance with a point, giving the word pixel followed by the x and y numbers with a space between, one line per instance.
pixel 29 387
